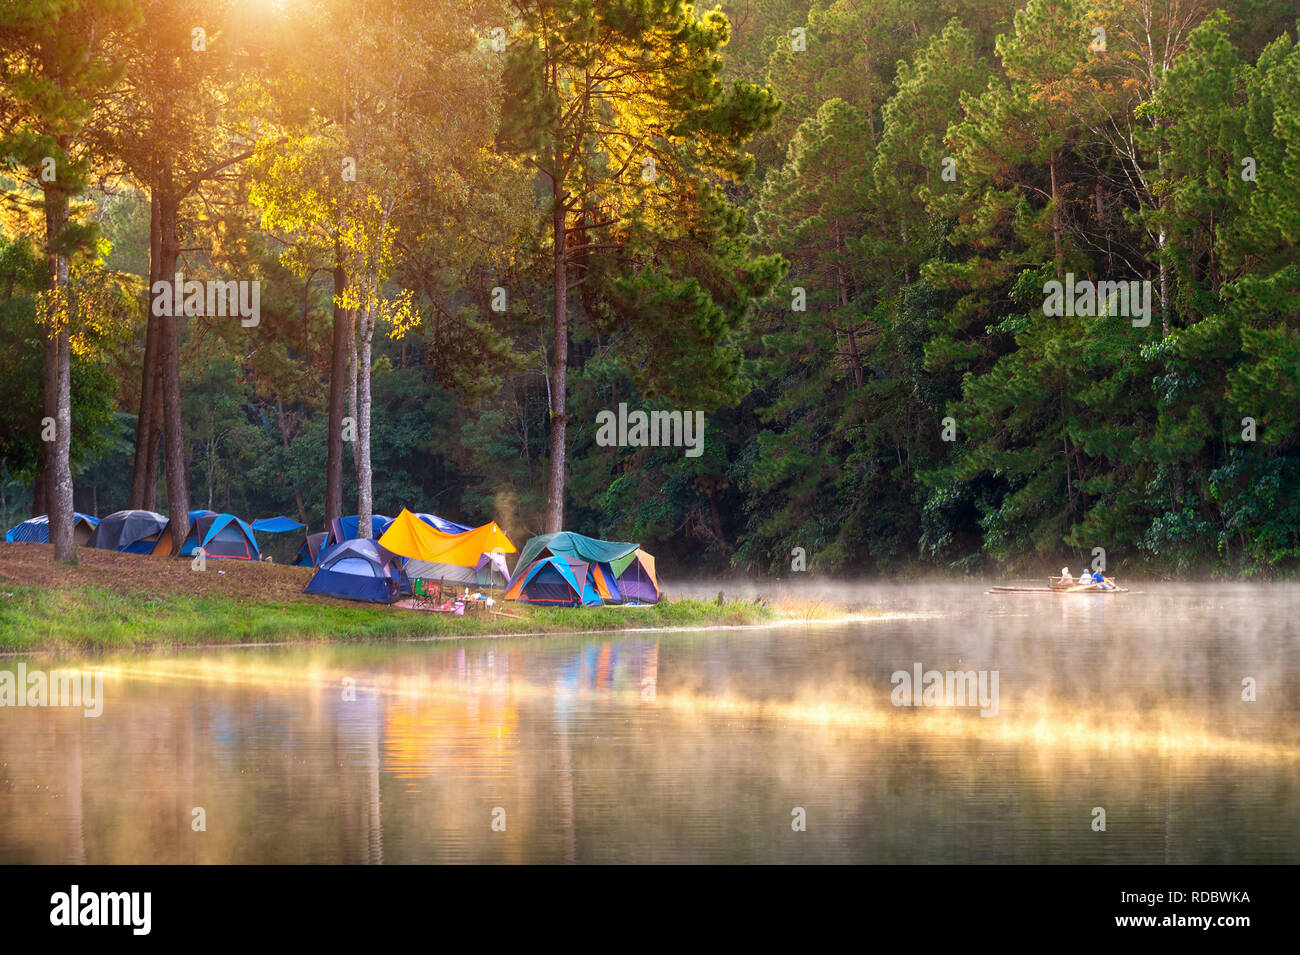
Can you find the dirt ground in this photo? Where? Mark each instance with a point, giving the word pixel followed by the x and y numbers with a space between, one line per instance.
pixel 240 579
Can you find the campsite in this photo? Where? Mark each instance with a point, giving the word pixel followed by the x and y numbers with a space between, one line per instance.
pixel 646 431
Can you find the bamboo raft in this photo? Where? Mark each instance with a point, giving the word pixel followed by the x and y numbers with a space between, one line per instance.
pixel 1055 586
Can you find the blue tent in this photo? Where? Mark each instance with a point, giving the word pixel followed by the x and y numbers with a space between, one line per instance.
pixel 36 530
pixel 221 536
pixel 557 582
pixel 444 525
pixel 345 529
pixel 310 550
pixel 277 525
pixel 360 570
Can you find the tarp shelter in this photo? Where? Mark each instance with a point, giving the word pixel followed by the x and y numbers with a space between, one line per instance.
pixel 310 550
pixel 490 571
pixel 36 530
pixel 557 582
pixel 569 544
pixel 411 537
pixel 221 536
pixel 598 553
pixel 360 570
pixel 132 532
pixel 636 577
pixel 345 528
pixel 276 525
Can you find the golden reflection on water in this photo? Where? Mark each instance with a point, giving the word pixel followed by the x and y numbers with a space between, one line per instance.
pixel 439 713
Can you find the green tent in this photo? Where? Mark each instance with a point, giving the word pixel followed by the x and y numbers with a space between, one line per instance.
pixel 569 544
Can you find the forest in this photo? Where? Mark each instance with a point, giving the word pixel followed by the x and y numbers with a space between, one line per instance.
pixel 325 257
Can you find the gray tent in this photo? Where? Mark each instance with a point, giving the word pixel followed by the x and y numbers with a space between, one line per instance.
pixel 490 572
pixel 130 531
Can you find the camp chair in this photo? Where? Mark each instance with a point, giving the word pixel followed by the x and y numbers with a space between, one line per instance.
pixel 425 598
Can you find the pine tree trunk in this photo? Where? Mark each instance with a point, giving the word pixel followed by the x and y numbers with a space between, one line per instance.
pixel 58 379
pixel 178 494
pixel 364 495
pixel 338 393
pixel 144 467
pixel 559 369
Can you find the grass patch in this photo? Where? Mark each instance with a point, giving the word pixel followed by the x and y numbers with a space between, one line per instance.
pixel 92 617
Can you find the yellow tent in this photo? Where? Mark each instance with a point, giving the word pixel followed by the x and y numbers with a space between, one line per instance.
pixel 408 536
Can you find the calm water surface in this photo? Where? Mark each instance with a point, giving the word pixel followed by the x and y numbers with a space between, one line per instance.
pixel 694 746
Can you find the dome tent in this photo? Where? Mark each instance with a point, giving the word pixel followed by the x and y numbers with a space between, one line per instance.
pixel 359 570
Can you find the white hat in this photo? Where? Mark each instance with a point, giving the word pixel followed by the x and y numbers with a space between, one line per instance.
pixel 1065 571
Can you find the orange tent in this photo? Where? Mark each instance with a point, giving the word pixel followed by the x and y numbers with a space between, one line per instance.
pixel 408 536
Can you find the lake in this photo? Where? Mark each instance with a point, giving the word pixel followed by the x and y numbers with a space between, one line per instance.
pixel 775 744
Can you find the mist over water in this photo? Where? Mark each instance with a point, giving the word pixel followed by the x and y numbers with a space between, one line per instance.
pixel 697 745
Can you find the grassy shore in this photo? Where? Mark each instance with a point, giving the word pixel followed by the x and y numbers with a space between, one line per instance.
pixel 97 618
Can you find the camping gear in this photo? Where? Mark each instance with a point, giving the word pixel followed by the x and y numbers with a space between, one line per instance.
pixel 556 581
pixel 442 524
pixel 132 532
pixel 636 577
pixel 276 525
pixel 310 550
pixel 411 537
pixel 345 528
pixel 597 553
pixel 36 530
pixel 360 570
pixel 569 544
pixel 162 546
pixel 490 571
pixel 219 535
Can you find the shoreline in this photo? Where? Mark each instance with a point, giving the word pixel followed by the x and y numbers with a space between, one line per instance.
pixel 779 621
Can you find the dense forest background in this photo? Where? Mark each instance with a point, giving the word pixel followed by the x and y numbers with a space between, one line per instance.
pixel 885 391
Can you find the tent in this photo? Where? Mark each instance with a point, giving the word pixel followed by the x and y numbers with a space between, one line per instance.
pixel 359 570
pixel 36 530
pixel 163 545
pixel 444 525
pixel 490 571
pixel 345 528
pixel 557 582
pixel 276 525
pixel 598 553
pixel 132 532
pixel 310 550
pixel 569 544
pixel 636 577
pixel 220 535
pixel 411 537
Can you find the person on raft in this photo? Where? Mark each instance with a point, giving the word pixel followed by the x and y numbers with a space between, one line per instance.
pixel 1066 579
pixel 1101 581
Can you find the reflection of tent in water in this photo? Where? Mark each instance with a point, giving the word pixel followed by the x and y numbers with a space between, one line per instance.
pixel 359 570
pixel 221 536
pixel 557 581
pixel 598 554
pixel 36 530
pixel 132 532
